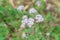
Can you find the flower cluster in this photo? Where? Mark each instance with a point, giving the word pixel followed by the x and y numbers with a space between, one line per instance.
pixel 29 21
pixel 39 18
pixel 24 21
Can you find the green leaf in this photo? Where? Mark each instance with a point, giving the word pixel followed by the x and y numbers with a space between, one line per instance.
pixel 48 16
pixel 1 37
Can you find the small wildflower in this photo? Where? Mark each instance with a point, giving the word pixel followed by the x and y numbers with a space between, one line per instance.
pixel 31 19
pixel 5 25
pixel 47 34
pixel 24 17
pixel 37 3
pixel 30 22
pixel 32 10
pixel 22 25
pixel 21 7
pixel 39 18
pixel 23 35
pixel 24 21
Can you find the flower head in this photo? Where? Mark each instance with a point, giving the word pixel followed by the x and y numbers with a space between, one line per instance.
pixel 39 18
pixel 23 35
pixel 24 19
pixel 32 10
pixel 24 22
pixel 22 25
pixel 37 3
pixel 21 7
pixel 30 22
pixel 47 34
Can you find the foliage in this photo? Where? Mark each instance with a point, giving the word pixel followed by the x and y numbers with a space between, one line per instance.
pixel 12 17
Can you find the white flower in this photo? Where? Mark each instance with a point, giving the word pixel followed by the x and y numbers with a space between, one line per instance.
pixel 21 7
pixel 30 22
pixel 25 17
pixel 22 25
pixel 31 19
pixel 24 21
pixel 47 34
pixel 23 35
pixel 32 10
pixel 37 3
pixel 39 18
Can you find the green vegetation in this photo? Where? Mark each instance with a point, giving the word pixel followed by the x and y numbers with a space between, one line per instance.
pixel 10 21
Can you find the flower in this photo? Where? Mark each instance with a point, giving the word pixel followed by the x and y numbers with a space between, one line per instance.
pixel 37 3
pixel 23 35
pixel 32 10
pixel 39 18
pixel 21 7
pixel 24 19
pixel 30 22
pixel 22 25
pixel 47 34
